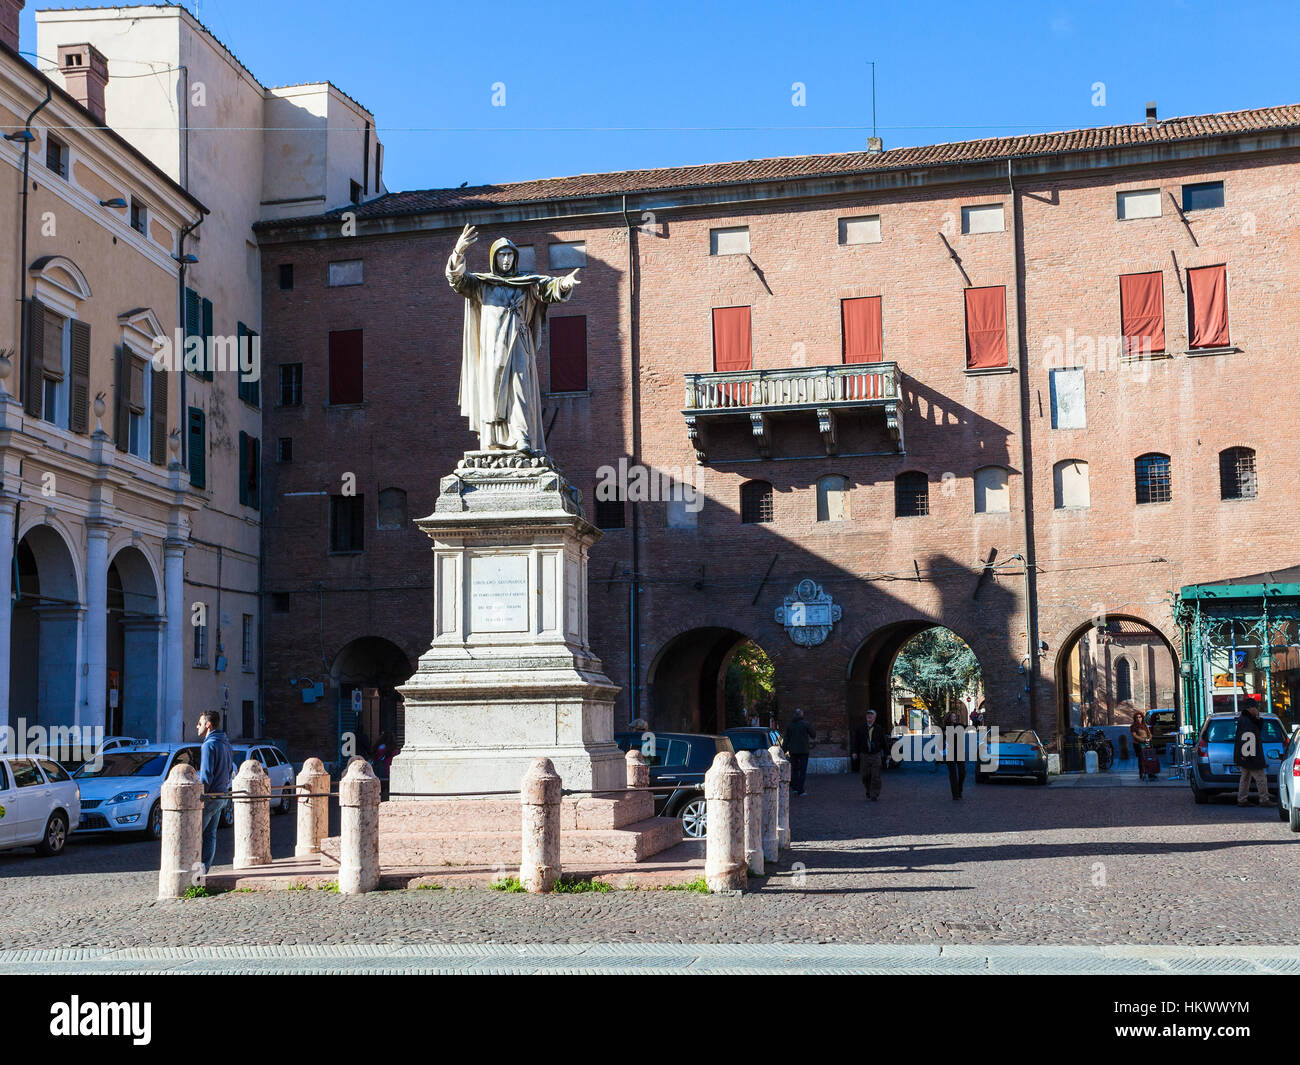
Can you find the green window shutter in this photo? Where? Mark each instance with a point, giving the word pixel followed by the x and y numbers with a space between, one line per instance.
pixel 206 372
pixel 158 417
pixel 255 473
pixel 198 449
pixel 243 468
pixel 121 407
pixel 193 314
pixel 79 399
pixel 33 383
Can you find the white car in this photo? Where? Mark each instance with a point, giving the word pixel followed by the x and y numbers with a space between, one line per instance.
pixel 123 792
pixel 278 768
pixel 39 803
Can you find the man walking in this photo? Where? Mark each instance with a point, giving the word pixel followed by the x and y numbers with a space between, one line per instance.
pixel 215 765
pixel 873 747
pixel 798 743
pixel 1249 754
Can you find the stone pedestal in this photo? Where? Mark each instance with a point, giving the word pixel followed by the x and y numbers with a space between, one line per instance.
pixel 510 675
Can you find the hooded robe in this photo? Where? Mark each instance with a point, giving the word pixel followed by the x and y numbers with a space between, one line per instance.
pixel 504 317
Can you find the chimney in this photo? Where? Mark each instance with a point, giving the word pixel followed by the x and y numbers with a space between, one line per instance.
pixel 85 73
pixel 875 146
pixel 9 22
pixel 1151 112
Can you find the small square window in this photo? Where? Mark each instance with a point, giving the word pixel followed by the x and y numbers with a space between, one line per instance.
pixel 279 602
pixel 611 514
pixel 1137 203
pixel 756 506
pixel 864 230
pixel 139 217
pixel 731 240
pixel 291 384
pixel 56 156
pixel 355 193
pixel 568 256
pixel 349 272
pixel 982 218
pixel 284 449
pixel 286 277
pixel 1203 196
pixel 347 524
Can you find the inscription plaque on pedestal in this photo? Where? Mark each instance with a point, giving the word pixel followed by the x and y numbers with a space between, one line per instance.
pixel 498 591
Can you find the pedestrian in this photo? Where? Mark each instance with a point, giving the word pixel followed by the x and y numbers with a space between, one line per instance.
pixel 873 748
pixel 955 752
pixel 797 743
pixel 215 766
pixel 1248 752
pixel 1140 736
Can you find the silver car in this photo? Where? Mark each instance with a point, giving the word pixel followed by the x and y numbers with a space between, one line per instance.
pixel 1214 764
pixel 1288 782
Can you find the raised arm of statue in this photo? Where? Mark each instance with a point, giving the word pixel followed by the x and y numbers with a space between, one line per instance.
pixel 458 277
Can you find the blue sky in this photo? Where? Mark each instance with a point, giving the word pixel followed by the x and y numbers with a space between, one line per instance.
pixel 703 82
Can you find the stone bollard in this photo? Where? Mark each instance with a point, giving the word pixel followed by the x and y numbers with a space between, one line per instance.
pixel 359 829
pixel 753 811
pixel 638 772
pixel 539 863
pixel 771 802
pixel 313 812
pixel 783 767
pixel 182 832
pixel 724 849
pixel 252 797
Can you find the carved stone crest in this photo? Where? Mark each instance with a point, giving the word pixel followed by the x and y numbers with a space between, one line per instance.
pixel 808 614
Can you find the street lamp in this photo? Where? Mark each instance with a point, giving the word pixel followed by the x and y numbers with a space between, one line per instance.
pixel 22 136
pixel 116 201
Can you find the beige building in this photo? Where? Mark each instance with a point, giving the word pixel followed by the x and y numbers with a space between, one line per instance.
pixel 247 152
pixel 95 503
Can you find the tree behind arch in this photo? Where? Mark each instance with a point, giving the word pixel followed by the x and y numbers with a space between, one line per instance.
pixel 937 667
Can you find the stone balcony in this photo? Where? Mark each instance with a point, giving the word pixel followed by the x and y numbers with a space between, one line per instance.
pixel 762 396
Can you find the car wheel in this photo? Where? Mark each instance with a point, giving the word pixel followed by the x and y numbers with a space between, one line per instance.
pixel 1292 816
pixel 282 807
pixel 56 835
pixel 1041 778
pixel 692 814
pixel 153 828
pixel 1198 796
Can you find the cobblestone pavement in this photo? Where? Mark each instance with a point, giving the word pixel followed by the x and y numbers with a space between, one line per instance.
pixel 1010 864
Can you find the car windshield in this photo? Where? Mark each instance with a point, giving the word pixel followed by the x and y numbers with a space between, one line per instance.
pixel 1017 736
pixel 125 764
pixel 1224 730
pixel 748 741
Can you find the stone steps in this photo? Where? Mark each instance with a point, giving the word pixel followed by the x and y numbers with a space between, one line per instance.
pixel 629 843
pixel 577 813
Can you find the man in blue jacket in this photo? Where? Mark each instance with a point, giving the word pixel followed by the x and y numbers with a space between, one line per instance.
pixel 214 772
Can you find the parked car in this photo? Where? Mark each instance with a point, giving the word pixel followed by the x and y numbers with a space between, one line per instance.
pixel 39 803
pixel 123 792
pixel 1014 753
pixel 681 759
pixel 277 767
pixel 1164 728
pixel 1288 782
pixel 73 756
pixel 753 737
pixel 1214 768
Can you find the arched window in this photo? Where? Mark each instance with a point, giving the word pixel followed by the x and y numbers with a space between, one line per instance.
pixel 392 508
pixel 833 498
pixel 1154 479
pixel 992 496
pixel 911 495
pixel 1070 484
pixel 755 502
pixel 1123 681
pixel 1237 473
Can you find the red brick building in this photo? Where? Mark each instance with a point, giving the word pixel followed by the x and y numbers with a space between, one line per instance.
pixel 904 375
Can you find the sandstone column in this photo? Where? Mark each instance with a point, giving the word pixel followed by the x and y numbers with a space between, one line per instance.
pixel 771 803
pixel 359 829
pixel 314 812
pixel 753 811
pixel 182 832
pixel 539 864
pixel 252 797
pixel 724 851
pixel 783 797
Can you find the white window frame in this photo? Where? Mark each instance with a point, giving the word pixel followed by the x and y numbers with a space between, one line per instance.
pixel 141 430
pixel 843 225
pixel 1122 216
pixel 982 210
pixel 718 234
pixel 62 389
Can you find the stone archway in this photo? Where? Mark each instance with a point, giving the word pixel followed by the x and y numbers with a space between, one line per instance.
pixel 375 667
pixel 686 685
pixel 45 632
pixel 133 647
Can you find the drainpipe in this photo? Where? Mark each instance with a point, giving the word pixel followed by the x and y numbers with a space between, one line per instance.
pixel 1027 495
pixel 22 261
pixel 634 391
pixel 184 417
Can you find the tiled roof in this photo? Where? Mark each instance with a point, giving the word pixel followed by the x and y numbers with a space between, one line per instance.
pixel 678 178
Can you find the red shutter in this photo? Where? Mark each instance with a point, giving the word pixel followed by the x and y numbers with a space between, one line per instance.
pixel 1207 294
pixel 345 366
pixel 569 354
pixel 1142 312
pixel 860 322
pixel 986 327
pixel 731 339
